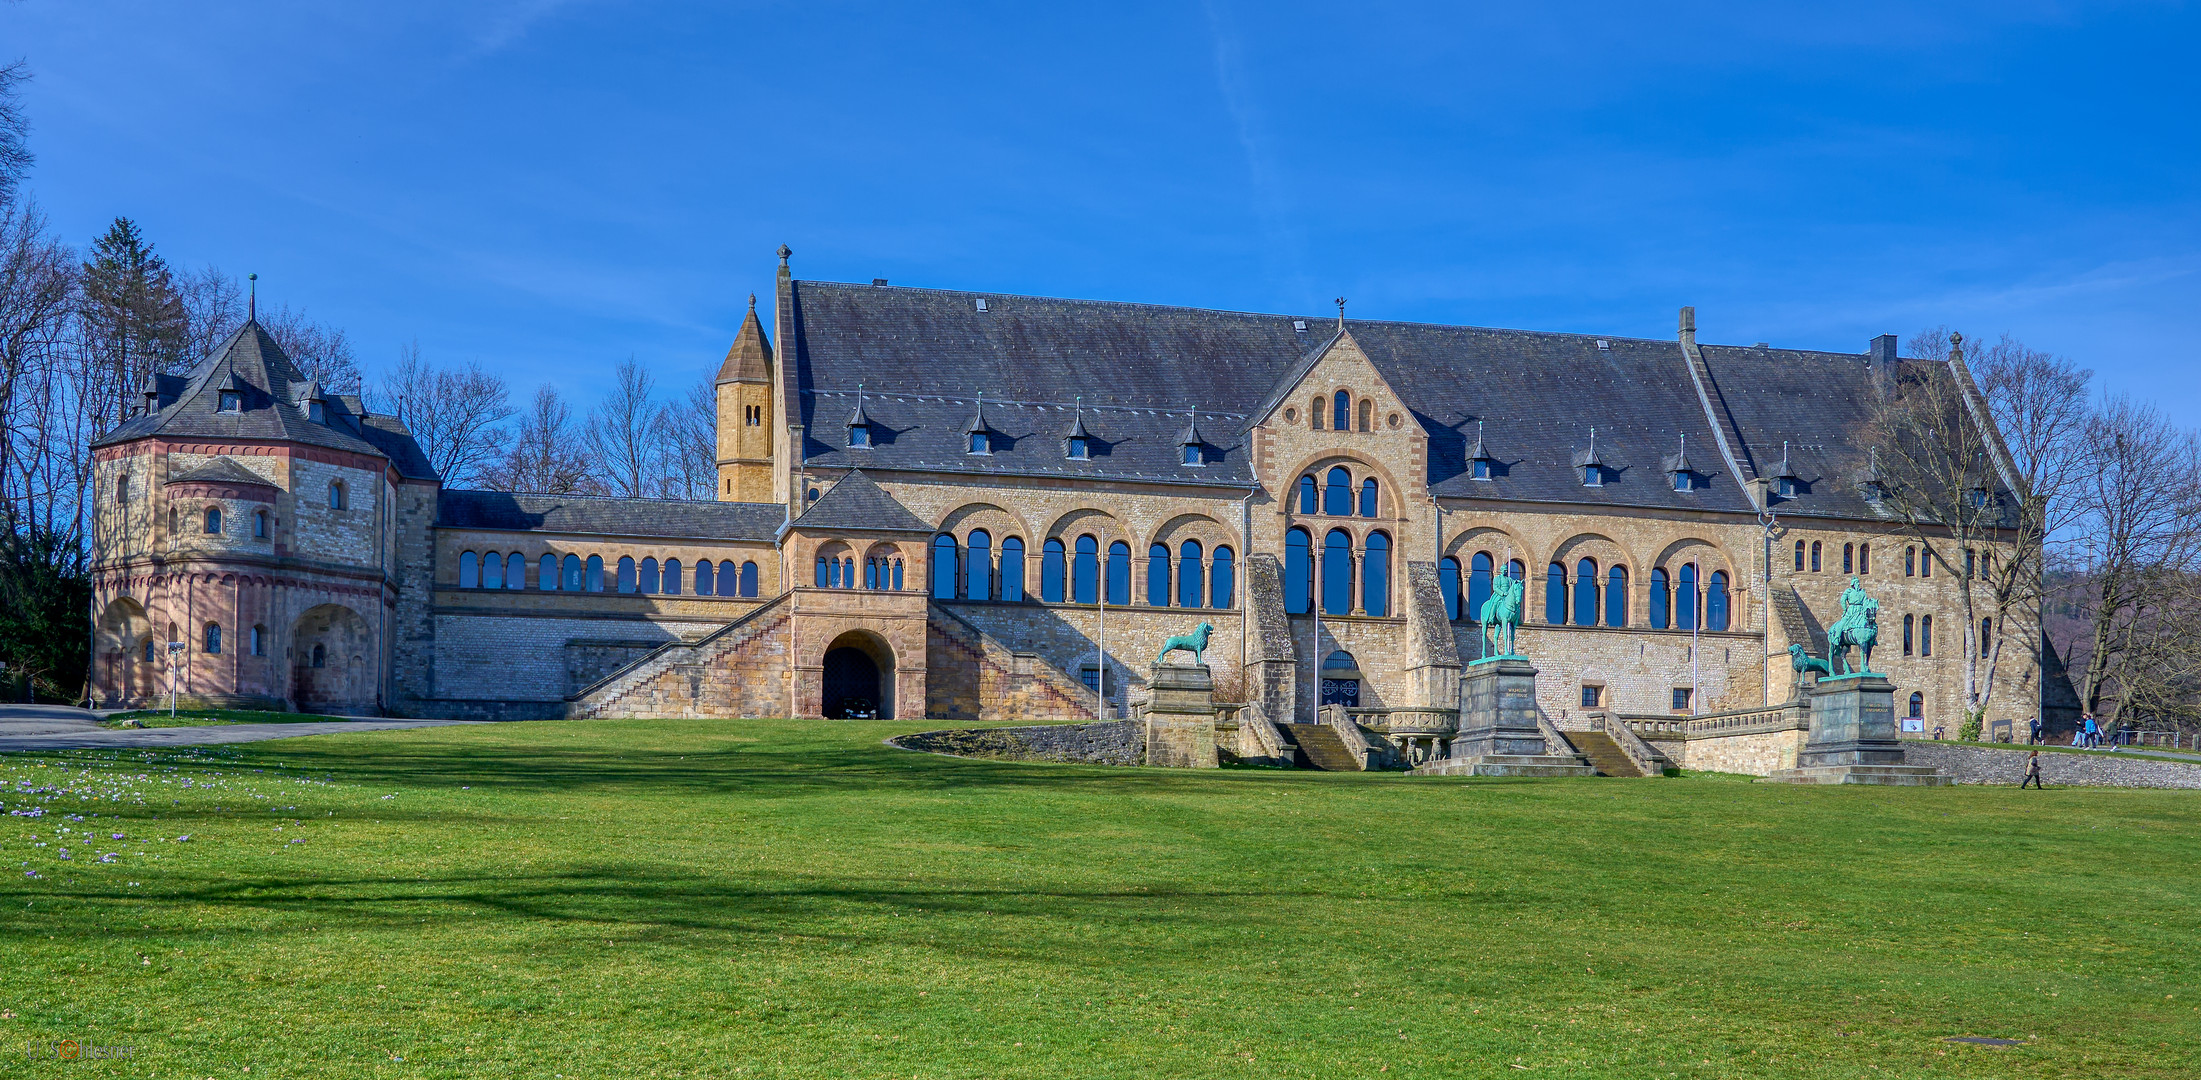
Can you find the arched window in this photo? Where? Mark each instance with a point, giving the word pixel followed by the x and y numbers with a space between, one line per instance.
pixel 1308 503
pixel 1479 571
pixel 1910 562
pixel 672 577
pixel 1814 556
pixel 1662 601
pixel 1715 602
pixel 897 574
pixel 871 573
pixel 978 568
pixel 727 579
pixel 748 577
pixel 705 585
pixel 1338 499
pixel 492 570
pixel 1448 586
pixel 626 582
pixel 1315 411
pixel 122 487
pixel 1367 414
pixel 546 575
pixel 1298 573
pixel 1926 563
pixel 1616 596
pixel 336 494
pixel 469 570
pixel 1368 497
pixel 1909 628
pixel 259 524
pixel 213 637
pixel 320 655
pixel 1222 581
pixel 570 574
pixel 1341 411
pixel 259 640
pixel 1191 575
pixel 647 581
pixel 1119 573
pixel 1085 570
pixel 148 650
pixel 213 520
pixel 1799 555
pixel 822 575
pixel 848 571
pixel 1051 571
pixel 1518 571
pixel 1864 558
pixel 1555 595
pixel 1157 575
pixel 943 567
pixel 596 573
pixel 1337 573
pixel 1012 568
pixel 1918 706
pixel 1925 635
pixel 1585 593
pixel 1849 558
pixel 1375 574
pixel 1685 604
pixel 1985 626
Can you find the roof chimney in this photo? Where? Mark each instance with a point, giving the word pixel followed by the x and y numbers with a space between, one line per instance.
pixel 1688 326
pixel 1882 351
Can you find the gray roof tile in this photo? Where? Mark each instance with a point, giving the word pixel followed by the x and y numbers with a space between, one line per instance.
pixel 668 518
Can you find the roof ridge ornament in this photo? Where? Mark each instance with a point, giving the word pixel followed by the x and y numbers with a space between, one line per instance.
pixel 252 297
pixel 1341 314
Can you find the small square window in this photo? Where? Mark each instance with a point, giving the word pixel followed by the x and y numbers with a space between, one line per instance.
pixel 1681 698
pixel 1192 455
pixel 1482 469
pixel 860 435
pixel 232 401
pixel 1592 696
pixel 980 444
pixel 1077 450
pixel 1684 482
pixel 317 412
pixel 1785 487
pixel 1593 476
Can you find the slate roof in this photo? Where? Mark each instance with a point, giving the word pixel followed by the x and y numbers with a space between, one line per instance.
pixel 603 516
pixel 856 502
pixel 269 385
pixel 925 356
pixel 221 471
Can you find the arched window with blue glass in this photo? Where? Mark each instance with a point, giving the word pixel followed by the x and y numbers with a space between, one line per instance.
pixel 1555 594
pixel 1119 573
pixel 1051 570
pixel 1448 586
pixel 943 567
pixel 1585 593
pixel 1368 497
pixel 1518 571
pixel 1191 572
pixel 1337 497
pixel 1375 575
pixel 469 570
pixel 978 566
pixel 1715 601
pixel 1337 573
pixel 1012 568
pixel 1662 600
pixel 1341 412
pixel 1222 581
pixel 729 576
pixel 1309 503
pixel 1085 570
pixel 596 573
pixel 1478 584
pixel 1298 572
pixel 571 574
pixel 648 581
pixel 1157 575
pixel 515 572
pixel 748 577
pixel 1685 600
pixel 625 580
pixel 213 520
pixel 1616 596
pixel 871 573
pixel 822 577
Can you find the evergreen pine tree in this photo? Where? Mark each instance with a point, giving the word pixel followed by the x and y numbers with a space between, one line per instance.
pixel 133 312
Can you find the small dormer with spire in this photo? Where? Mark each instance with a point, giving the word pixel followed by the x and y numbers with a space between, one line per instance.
pixel 1191 446
pixel 1785 481
pixel 1077 442
pixel 978 435
pixel 314 401
pixel 859 424
pixel 1682 471
pixel 1591 465
pixel 230 393
pixel 1869 482
pixel 746 414
pixel 1480 465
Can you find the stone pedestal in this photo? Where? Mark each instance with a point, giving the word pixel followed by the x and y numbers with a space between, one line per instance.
pixel 1499 734
pixel 1180 717
pixel 1853 739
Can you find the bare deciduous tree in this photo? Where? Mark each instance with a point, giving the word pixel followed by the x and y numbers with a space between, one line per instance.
pixel 543 454
pixel 623 435
pixel 455 415
pixel 15 156
pixel 690 443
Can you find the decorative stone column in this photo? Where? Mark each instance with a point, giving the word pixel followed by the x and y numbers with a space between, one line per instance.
pixel 1180 717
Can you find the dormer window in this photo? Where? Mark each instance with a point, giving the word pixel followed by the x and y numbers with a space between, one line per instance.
pixel 1784 486
pixel 1593 476
pixel 860 436
pixel 1193 455
pixel 1076 450
pixel 980 443
pixel 317 412
pixel 1191 445
pixel 1685 481
pixel 231 401
pixel 1979 497
pixel 859 424
pixel 1482 469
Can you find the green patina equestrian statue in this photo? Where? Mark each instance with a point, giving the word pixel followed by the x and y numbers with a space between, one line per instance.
pixel 1501 614
pixel 1859 626
pixel 1194 642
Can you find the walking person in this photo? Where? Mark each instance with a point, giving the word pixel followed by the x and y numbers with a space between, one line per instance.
pixel 2032 773
pixel 2093 731
pixel 2035 739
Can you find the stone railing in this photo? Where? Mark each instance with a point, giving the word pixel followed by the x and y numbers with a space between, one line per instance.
pixel 1646 759
pixel 1555 740
pixel 1789 716
pixel 1258 740
pixel 1373 753
pixel 1407 720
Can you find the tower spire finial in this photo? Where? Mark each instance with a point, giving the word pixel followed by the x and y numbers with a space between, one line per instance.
pixel 752 302
pixel 252 298
pixel 1341 313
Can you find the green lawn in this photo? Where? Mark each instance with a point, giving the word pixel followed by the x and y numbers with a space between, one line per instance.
pixel 789 899
pixel 154 718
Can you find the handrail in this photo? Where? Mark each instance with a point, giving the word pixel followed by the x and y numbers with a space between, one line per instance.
pixel 1647 760
pixel 677 643
pixel 1789 716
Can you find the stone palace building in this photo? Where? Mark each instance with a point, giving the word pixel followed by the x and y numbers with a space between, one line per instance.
pixel 979 506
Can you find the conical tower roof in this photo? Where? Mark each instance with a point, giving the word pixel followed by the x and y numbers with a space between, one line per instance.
pixel 750 359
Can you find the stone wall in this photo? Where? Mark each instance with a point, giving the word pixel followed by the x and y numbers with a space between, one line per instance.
pixel 1983 765
pixel 972 675
pixel 1115 742
pixel 1756 754
pixel 1065 637
pixel 743 669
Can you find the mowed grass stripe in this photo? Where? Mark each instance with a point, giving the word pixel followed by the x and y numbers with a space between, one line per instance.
pixel 775 898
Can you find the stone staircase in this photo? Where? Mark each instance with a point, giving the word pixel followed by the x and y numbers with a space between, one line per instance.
pixel 1322 748
pixel 1603 753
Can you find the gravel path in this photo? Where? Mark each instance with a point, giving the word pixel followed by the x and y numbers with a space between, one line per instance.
pixel 59 727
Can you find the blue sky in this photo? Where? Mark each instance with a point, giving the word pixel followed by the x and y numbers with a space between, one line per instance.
pixel 550 186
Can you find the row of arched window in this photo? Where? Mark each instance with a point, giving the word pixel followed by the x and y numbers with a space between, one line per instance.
pixel 1193 578
pixel 1348 581
pixel 1593 597
pixel 498 570
pixel 1340 410
pixel 1918 632
pixel 211 640
pixel 211 522
pixel 1856 558
pixel 839 572
pixel 1335 497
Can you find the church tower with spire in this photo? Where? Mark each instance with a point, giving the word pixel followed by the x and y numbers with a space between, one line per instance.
pixel 745 415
